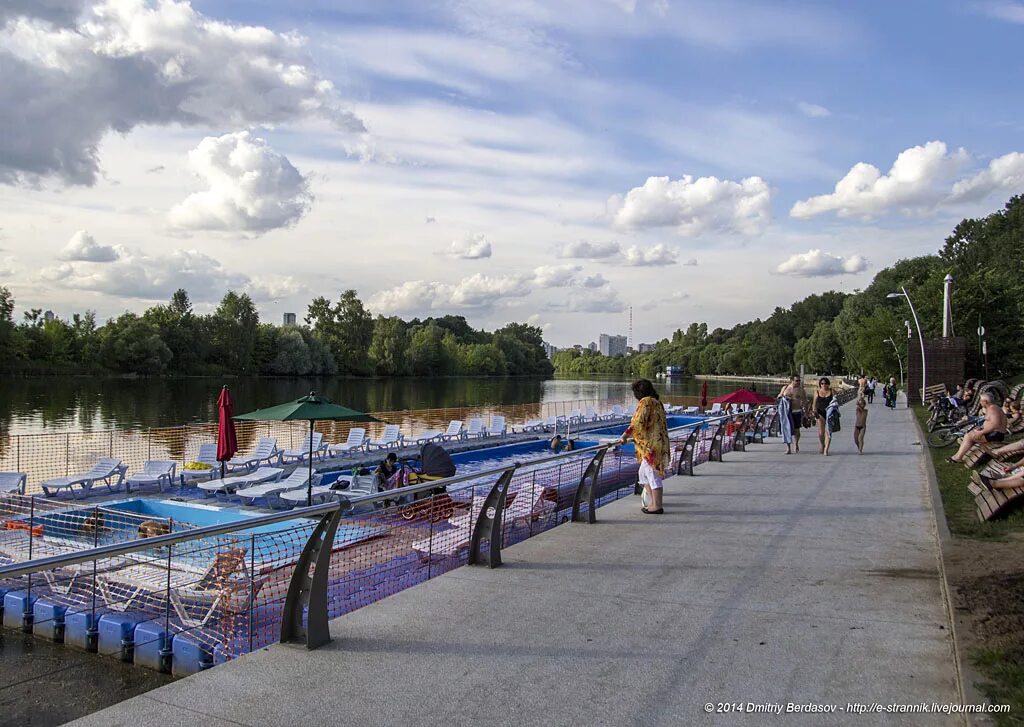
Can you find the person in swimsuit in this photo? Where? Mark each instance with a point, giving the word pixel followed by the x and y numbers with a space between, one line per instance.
pixel 794 391
pixel 860 424
pixel 992 430
pixel 822 398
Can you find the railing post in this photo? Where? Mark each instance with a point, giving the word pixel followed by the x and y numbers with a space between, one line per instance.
pixel 685 466
pixel 252 585
pixel 739 440
pixel 309 592
pixel 715 453
pixel 488 523
pixel 67 454
pixel 585 490
pixel 92 629
pixel 165 651
pixel 27 614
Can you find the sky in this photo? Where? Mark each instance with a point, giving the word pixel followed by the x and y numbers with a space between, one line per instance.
pixel 551 161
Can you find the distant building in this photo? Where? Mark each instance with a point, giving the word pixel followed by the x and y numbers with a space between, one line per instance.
pixel 289 319
pixel 549 350
pixel 48 316
pixel 592 346
pixel 645 347
pixel 612 345
pixel 672 371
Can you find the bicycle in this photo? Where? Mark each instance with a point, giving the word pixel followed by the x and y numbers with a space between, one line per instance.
pixel 946 436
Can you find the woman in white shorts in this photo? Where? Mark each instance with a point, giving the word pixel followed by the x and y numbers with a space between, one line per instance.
pixel 649 432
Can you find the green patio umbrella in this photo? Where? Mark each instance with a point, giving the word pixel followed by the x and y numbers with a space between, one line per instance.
pixel 310 408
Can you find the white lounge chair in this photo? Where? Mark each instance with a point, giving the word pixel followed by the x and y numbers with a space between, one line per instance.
pixel 300 453
pixel 207 455
pixel 475 428
pixel 318 493
pixel 575 416
pixel 195 594
pixel 228 485
pixel 266 451
pixel 297 479
pixel 356 441
pixel 13 482
pixel 497 427
pixel 392 437
pixel 691 410
pixel 551 424
pixel 618 412
pixel 434 435
pixel 454 430
pixel 591 415
pixel 159 472
pixel 716 408
pixel 104 471
pixel 534 425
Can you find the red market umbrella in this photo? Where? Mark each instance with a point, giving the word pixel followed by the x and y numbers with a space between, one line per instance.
pixel 227 442
pixel 704 395
pixel 743 396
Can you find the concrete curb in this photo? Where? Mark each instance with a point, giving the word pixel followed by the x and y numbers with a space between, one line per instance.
pixel 967 675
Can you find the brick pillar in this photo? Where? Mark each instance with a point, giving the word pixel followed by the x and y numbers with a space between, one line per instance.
pixel 946 359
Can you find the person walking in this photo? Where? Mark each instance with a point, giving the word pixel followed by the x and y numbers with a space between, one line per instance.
pixel 823 396
pixel 860 423
pixel 649 431
pixel 889 392
pixel 872 383
pixel 797 404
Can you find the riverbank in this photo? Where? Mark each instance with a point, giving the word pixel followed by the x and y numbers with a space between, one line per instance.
pixel 984 563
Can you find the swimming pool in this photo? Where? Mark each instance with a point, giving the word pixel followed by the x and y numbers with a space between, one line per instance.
pixel 196 514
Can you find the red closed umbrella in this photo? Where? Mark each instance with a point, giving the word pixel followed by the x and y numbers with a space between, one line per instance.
pixel 227 442
pixel 743 396
pixel 704 395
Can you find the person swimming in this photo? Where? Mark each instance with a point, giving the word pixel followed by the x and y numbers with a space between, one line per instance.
pixel 152 528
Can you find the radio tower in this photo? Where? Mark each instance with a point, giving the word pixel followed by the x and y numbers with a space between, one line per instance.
pixel 629 335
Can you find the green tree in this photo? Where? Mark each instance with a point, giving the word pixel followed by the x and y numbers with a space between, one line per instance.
pixel 389 347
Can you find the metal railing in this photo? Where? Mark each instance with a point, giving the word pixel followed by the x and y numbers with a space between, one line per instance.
pixel 313 588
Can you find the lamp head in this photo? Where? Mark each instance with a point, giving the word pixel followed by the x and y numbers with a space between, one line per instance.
pixel 894 295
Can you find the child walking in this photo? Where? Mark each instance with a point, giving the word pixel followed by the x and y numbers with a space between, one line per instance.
pixel 860 424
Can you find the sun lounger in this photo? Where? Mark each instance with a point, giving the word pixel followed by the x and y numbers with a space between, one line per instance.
pixel 195 595
pixel 266 451
pixel 533 425
pixel 207 455
pixel 13 482
pixel 157 472
pixel 497 427
pixel 618 412
pixel 15 546
pixel 228 485
pixel 318 493
pixel 300 453
pixel 475 428
pixel 993 504
pixel 298 478
pixel 591 415
pixel 716 408
pixel 105 471
pixel 356 441
pixel 454 430
pixel 434 435
pixel 391 438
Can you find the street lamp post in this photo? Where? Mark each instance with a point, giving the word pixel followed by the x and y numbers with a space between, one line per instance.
pixel 898 359
pixel 920 338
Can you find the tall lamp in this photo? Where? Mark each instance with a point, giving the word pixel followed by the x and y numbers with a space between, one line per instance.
pixel 898 359
pixel 920 337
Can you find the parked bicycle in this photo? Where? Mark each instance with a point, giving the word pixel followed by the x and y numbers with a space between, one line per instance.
pixel 946 412
pixel 945 436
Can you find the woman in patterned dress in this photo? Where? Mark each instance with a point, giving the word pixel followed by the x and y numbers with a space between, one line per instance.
pixel 649 432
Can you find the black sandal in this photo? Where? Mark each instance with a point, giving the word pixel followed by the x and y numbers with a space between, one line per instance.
pixel 659 511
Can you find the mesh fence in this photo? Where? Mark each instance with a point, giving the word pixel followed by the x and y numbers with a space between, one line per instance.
pixel 228 592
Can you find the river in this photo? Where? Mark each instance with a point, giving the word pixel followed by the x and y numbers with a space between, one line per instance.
pixel 54 404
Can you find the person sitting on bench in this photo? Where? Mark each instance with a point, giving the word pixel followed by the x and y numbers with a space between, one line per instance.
pixel 993 429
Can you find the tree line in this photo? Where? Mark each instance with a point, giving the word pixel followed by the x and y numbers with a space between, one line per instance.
pixel 836 332
pixel 339 337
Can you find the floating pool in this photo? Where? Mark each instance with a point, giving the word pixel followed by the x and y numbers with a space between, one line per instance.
pixel 196 514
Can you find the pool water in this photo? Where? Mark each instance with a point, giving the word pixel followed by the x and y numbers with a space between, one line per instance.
pixel 196 515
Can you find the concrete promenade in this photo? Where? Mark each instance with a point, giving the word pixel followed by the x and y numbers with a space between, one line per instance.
pixel 770 579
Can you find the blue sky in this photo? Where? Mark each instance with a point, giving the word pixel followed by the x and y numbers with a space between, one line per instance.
pixel 552 161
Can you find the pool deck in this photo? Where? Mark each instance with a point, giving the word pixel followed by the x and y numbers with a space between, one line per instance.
pixel 770 579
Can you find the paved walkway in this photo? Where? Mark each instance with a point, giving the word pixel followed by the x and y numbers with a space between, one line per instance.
pixel 771 578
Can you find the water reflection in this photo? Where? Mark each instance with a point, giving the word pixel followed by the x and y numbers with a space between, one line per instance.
pixel 35 404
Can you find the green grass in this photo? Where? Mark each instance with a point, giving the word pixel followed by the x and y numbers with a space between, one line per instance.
pixel 1004 670
pixel 957 501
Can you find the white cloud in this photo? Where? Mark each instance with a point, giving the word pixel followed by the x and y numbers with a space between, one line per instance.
pixel 691 263
pixel 556 276
pixel 1008 10
pixel 475 247
pixel 476 291
pixel 1005 173
pixel 694 206
pixel 140 276
pixel 591 301
pixel 586 250
pixel 9 267
pixel 119 64
pixel 83 247
pixel 592 281
pixel 658 255
pixel 251 188
pixel 813 110
pixel 815 263
pixel 918 180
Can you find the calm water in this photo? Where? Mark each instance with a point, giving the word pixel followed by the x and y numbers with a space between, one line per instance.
pixel 34 404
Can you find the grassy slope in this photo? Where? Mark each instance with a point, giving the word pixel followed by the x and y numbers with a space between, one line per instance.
pixel 1003 668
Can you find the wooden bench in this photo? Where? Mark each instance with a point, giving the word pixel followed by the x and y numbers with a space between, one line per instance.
pixel 994 504
pixel 931 393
